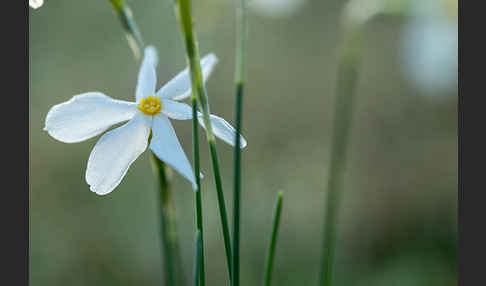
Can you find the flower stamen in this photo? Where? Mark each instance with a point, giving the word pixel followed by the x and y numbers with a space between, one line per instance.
pixel 150 105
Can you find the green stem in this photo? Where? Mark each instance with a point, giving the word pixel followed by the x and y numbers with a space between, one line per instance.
pixel 133 34
pixel 199 218
pixel 235 281
pixel 222 205
pixel 242 27
pixel 347 75
pixel 198 257
pixel 273 241
pixel 168 232
pixel 184 15
pixel 240 81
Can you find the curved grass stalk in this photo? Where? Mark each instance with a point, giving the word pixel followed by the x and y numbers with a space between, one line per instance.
pixel 184 15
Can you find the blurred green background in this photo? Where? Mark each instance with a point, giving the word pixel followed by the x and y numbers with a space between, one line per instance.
pixel 398 219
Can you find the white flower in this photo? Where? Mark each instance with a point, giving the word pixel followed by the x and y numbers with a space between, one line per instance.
pixel 429 46
pixel 89 114
pixel 276 8
pixel 36 3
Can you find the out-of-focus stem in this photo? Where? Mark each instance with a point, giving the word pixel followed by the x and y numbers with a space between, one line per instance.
pixel 242 34
pixel 347 75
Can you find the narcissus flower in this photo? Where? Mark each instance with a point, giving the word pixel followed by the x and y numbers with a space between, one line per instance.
pixel 36 3
pixel 89 114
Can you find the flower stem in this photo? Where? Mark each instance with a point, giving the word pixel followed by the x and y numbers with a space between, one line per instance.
pixel 273 241
pixel 168 231
pixel 198 257
pixel 222 205
pixel 240 81
pixel 199 218
pixel 242 26
pixel 347 75
pixel 128 23
pixel 235 278
pixel 184 15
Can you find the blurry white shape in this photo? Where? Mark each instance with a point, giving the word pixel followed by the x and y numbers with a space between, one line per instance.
pixel 429 46
pixel 357 12
pixel 36 3
pixel 276 8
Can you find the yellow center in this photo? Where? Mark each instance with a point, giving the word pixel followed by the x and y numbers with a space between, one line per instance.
pixel 150 105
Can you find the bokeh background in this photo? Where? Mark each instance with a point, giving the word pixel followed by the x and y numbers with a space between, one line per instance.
pixel 398 218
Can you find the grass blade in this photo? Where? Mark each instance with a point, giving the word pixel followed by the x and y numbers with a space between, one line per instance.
pixel 273 240
pixel 199 217
pixel 184 15
pixel 240 82
pixel 345 90
pixel 197 257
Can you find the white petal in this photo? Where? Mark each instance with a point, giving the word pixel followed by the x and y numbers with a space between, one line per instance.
pixel 222 129
pixel 167 147
pixel 179 87
pixel 86 115
pixel 147 77
pixel 151 55
pixel 176 110
pixel 115 152
pixel 36 3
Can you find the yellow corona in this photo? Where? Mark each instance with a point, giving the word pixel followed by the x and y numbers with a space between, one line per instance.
pixel 150 105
